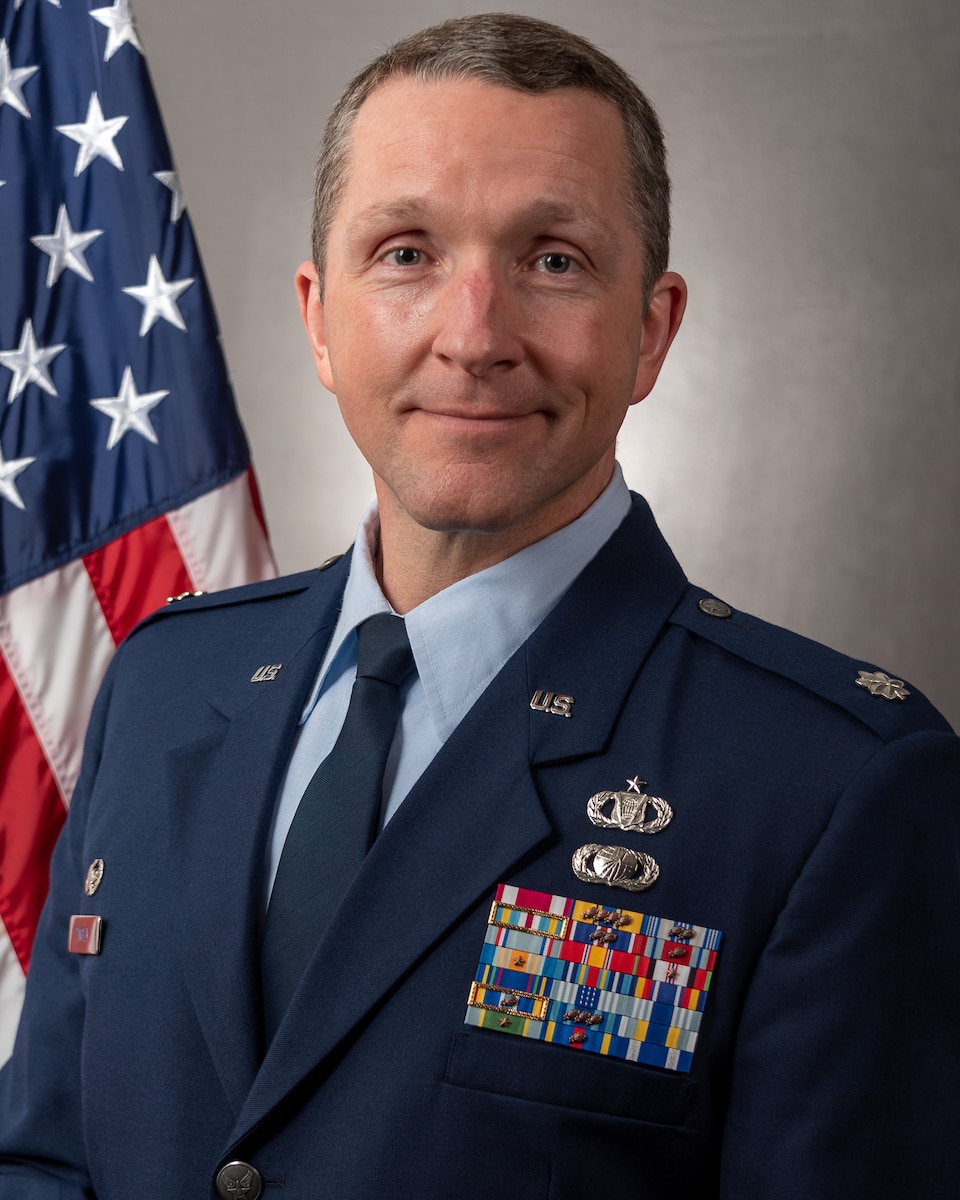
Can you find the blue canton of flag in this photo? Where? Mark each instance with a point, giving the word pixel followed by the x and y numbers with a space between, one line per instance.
pixel 115 403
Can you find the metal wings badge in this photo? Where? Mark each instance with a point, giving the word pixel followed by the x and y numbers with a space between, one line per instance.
pixel 628 810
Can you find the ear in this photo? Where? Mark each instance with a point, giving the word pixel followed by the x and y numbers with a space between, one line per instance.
pixel 664 314
pixel 307 284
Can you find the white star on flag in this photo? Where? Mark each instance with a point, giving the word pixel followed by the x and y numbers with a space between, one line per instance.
pixel 29 363
pixel 159 297
pixel 8 473
pixel 171 180
pixel 65 247
pixel 95 136
pixel 18 4
pixel 129 410
pixel 119 22
pixel 12 81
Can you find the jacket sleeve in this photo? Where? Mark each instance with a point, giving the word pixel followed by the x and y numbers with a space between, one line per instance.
pixel 42 1154
pixel 846 1069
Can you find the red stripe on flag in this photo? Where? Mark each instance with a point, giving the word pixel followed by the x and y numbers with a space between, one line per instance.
pixel 134 575
pixel 31 815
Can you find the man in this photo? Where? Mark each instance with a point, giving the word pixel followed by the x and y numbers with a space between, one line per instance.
pixel 663 899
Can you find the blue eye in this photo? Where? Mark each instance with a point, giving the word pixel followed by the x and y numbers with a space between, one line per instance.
pixel 404 256
pixel 557 264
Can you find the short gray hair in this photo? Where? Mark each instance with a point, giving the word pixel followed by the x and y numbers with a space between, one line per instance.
pixel 527 55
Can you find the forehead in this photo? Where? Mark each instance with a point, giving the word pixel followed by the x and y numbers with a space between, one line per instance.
pixel 466 134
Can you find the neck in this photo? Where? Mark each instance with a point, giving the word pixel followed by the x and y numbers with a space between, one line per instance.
pixel 414 565
pixel 413 562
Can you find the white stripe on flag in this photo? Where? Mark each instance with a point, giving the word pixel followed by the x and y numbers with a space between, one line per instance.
pixel 12 984
pixel 58 646
pixel 221 540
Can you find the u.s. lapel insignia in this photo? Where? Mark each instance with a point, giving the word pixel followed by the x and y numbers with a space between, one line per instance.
pixel 628 810
pixel 265 674
pixel 616 866
pixel 878 683
pixel 635 993
pixel 94 875
pixel 552 702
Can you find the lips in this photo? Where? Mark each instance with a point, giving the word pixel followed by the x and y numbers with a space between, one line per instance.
pixel 473 415
pixel 488 423
pixel 508 406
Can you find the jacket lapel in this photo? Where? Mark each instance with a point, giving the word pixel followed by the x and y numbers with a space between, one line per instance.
pixel 416 882
pixel 222 787
pixel 589 648
pixel 594 643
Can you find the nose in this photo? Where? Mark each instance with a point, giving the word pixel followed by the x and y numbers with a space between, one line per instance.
pixel 478 321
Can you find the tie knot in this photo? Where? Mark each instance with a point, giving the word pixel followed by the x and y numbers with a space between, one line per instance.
pixel 384 649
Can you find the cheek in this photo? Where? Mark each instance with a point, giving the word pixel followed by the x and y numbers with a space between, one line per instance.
pixel 586 341
pixel 377 339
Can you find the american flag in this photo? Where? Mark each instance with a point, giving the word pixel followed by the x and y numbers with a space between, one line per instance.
pixel 124 471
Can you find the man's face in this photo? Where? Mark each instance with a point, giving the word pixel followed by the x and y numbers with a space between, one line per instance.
pixel 482 323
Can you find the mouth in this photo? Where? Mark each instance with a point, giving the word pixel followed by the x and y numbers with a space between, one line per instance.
pixel 479 425
pixel 481 416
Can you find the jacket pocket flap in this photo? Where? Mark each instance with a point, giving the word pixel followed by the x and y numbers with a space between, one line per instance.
pixel 549 1074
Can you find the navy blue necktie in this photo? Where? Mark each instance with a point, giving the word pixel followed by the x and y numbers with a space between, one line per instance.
pixel 336 821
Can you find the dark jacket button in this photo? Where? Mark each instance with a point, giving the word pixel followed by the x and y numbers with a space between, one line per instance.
pixel 239 1181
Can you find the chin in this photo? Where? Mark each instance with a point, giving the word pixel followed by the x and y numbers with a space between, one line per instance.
pixel 467 498
pixel 465 517
pixel 485 498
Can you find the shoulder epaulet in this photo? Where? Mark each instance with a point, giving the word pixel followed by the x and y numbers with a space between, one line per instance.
pixel 248 593
pixel 886 704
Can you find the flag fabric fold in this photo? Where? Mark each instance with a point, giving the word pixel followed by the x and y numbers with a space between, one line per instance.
pixel 125 474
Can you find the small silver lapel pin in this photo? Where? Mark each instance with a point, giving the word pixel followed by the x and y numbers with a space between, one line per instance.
pixel 94 875
pixel 551 702
pixel 265 674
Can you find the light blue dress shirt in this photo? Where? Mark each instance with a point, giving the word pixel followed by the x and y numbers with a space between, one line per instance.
pixel 460 637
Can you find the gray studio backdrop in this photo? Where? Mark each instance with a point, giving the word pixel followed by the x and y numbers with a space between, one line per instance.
pixel 801 447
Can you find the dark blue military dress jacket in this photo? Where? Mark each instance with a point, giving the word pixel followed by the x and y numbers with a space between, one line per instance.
pixel 492 1012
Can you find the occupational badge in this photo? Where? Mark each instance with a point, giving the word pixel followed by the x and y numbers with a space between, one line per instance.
pixel 628 810
pixel 602 981
pixel 616 866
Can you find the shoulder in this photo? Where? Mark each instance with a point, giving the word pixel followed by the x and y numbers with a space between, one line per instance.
pixel 879 700
pixel 250 596
pixel 210 647
pixel 198 631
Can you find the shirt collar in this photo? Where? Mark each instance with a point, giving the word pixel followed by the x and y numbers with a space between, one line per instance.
pixel 463 635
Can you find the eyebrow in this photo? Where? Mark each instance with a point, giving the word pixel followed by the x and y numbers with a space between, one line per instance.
pixel 414 210
pixel 405 209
